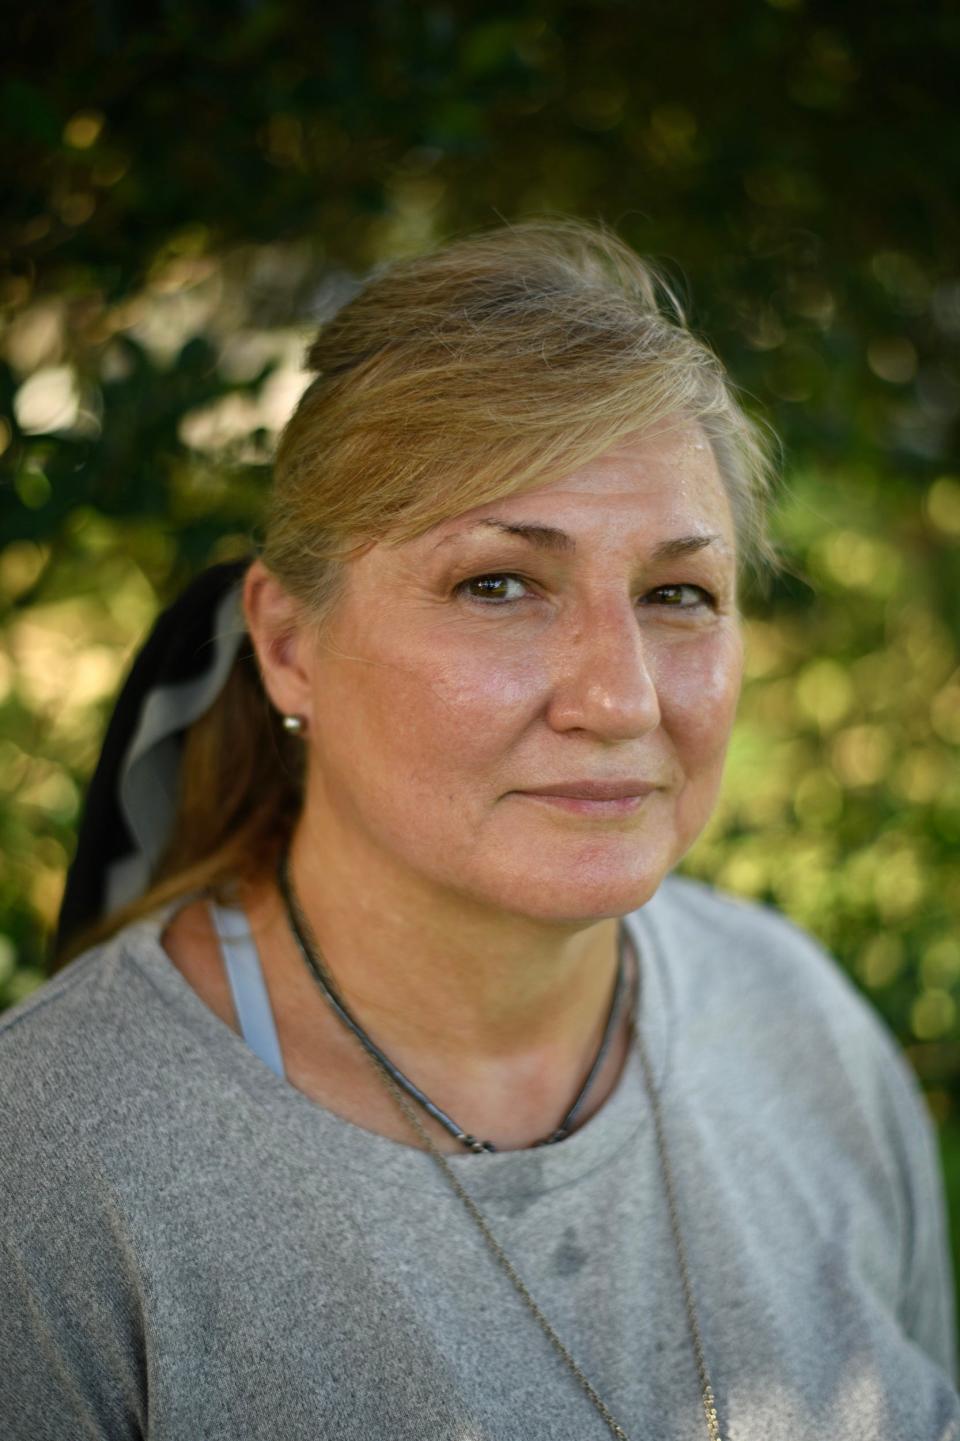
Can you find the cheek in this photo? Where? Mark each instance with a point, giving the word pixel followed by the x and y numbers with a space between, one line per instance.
pixel 699 691
pixel 433 711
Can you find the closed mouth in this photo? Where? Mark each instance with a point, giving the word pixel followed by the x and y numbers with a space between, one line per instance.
pixel 592 790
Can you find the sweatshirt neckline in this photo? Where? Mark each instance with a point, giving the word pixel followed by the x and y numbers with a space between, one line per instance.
pixel 352 1147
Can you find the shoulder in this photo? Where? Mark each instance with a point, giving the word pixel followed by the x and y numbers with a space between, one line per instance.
pixel 60 1023
pixel 779 1040
pixel 700 914
pixel 768 1003
pixel 82 1056
pixel 78 1083
pixel 59 1012
pixel 722 946
pixel 777 1015
pixel 47 1029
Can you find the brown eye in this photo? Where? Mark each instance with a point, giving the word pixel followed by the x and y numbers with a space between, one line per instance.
pixel 678 597
pixel 492 588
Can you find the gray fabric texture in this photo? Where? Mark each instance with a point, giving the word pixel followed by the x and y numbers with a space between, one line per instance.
pixel 193 1249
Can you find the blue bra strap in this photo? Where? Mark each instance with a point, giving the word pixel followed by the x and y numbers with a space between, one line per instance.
pixel 245 974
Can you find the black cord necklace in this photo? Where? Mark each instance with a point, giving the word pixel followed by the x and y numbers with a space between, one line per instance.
pixel 302 934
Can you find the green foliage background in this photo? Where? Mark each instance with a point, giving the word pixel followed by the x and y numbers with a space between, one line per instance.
pixel 189 185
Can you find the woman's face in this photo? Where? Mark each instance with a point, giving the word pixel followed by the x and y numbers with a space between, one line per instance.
pixel 528 705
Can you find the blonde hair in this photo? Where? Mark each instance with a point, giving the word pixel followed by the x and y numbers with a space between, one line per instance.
pixel 496 363
pixel 499 362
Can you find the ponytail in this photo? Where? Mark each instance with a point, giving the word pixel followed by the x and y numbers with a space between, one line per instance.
pixel 240 785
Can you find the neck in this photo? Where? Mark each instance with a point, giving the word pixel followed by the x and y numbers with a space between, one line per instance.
pixel 445 979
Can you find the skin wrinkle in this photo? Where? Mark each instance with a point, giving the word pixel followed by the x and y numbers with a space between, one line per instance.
pixel 548 537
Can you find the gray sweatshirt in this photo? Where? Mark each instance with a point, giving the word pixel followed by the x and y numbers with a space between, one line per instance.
pixel 194 1251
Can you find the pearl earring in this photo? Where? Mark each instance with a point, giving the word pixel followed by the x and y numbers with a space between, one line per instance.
pixel 294 724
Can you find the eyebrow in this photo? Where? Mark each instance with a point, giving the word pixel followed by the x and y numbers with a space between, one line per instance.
pixel 548 537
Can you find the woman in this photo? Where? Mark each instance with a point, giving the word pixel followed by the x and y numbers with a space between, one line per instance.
pixel 412 1096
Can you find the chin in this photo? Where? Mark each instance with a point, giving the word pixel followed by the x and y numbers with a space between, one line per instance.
pixel 588 893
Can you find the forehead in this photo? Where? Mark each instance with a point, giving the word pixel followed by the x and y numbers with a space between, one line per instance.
pixel 663 481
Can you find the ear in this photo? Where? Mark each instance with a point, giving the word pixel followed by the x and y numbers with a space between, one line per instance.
pixel 282 639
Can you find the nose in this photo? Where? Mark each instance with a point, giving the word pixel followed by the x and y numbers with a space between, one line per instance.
pixel 605 677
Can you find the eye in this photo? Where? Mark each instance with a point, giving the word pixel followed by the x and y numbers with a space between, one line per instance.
pixel 679 597
pixel 497 588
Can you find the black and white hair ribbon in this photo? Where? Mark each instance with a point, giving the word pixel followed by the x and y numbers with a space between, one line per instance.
pixel 131 800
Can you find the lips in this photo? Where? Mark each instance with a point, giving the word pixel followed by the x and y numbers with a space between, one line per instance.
pixel 593 790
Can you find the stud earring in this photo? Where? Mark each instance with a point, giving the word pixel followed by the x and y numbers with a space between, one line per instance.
pixel 294 724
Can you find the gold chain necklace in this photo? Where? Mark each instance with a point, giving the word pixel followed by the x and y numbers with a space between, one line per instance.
pixel 298 921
